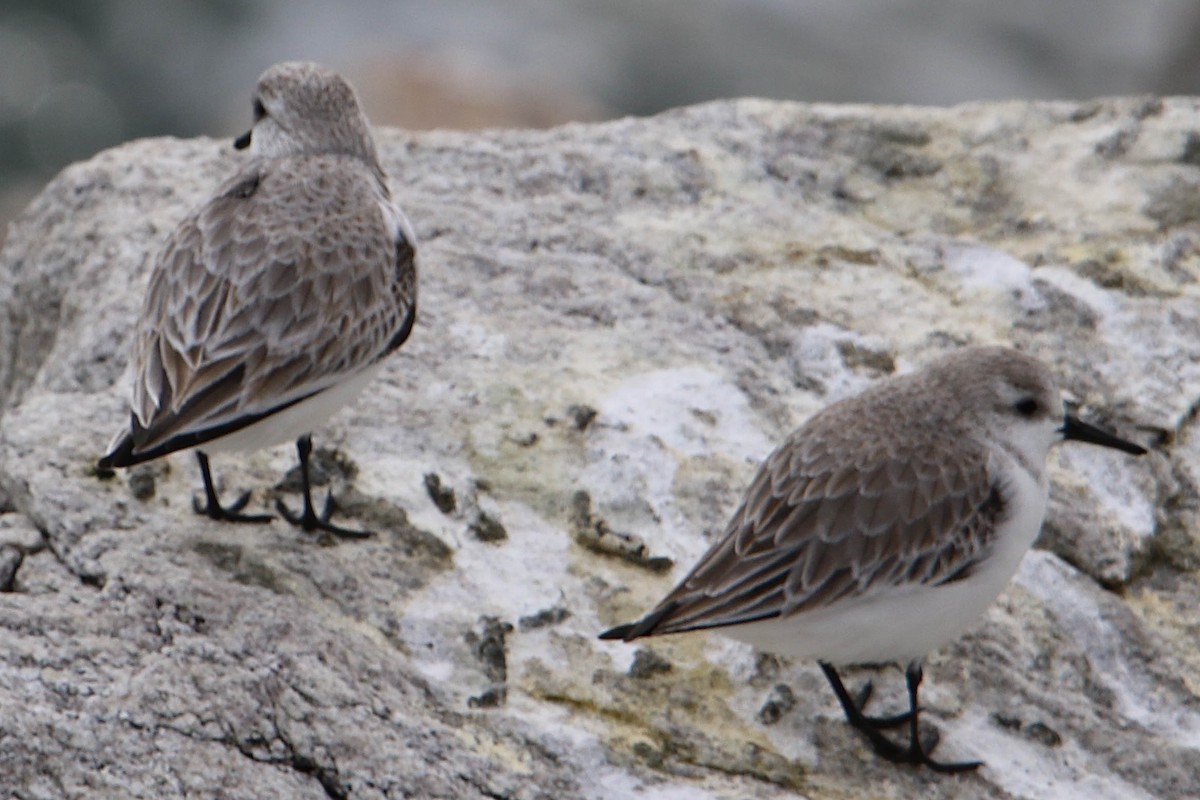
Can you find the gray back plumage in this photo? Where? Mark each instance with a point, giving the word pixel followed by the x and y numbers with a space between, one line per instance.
pixel 299 272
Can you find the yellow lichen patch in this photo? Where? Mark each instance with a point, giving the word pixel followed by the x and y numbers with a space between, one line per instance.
pixel 668 713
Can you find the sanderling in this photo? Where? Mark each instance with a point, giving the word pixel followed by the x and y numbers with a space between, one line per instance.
pixel 883 526
pixel 274 303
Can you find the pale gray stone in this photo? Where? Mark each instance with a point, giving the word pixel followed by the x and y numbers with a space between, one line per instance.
pixel 699 282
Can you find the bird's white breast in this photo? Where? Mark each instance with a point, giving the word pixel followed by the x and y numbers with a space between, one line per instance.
pixel 296 420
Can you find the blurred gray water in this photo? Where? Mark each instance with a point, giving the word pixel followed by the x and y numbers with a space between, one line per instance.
pixel 76 77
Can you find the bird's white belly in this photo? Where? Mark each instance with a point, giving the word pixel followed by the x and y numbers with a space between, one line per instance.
pixel 296 420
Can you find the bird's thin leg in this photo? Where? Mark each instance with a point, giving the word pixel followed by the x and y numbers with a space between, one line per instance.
pixel 212 506
pixel 883 723
pixel 884 746
pixel 917 754
pixel 854 706
pixel 309 519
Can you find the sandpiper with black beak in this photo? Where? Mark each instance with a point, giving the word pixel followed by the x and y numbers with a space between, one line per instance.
pixel 274 303
pixel 885 525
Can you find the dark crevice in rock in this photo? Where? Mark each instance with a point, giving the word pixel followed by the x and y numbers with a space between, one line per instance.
pixel 487 528
pixel 489 645
pixel 581 415
pixel 779 702
pixel 441 495
pixel 87 577
pixel 544 618
pixel 327 775
pixel 594 533
pixel 10 561
pixel 647 663
pixel 484 791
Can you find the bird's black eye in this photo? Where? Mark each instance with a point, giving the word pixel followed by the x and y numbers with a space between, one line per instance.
pixel 260 110
pixel 1027 407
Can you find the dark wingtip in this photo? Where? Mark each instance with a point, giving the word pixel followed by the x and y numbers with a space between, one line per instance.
pixel 121 455
pixel 619 632
pixel 646 626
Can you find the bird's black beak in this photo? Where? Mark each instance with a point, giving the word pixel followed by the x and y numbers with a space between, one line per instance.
pixel 243 141
pixel 1078 430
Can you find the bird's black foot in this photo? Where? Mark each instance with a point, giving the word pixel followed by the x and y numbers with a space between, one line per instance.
pixel 212 508
pixel 880 723
pixel 854 707
pixel 309 519
pixel 916 753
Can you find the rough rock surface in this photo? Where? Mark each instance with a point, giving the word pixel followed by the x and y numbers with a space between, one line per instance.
pixel 617 322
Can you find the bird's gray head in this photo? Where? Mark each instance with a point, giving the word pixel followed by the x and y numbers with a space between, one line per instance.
pixel 301 108
pixel 1012 399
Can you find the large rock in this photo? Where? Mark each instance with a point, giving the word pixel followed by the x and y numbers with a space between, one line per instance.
pixel 617 321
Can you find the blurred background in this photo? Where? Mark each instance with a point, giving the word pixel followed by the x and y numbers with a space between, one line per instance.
pixel 77 76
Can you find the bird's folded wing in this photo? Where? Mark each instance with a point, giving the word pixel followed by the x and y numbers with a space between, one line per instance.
pixel 260 299
pixel 822 524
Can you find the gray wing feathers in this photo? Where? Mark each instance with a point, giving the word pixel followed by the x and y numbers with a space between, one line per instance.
pixel 823 522
pixel 284 283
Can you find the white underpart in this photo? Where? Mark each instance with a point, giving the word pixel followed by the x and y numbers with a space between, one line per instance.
pixel 905 624
pixel 296 420
pixel 398 223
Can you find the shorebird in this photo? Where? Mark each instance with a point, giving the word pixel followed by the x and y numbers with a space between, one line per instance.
pixel 274 303
pixel 883 526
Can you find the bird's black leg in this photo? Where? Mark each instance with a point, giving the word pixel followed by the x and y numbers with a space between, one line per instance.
pixel 883 745
pixel 917 754
pixel 212 506
pixel 310 520
pixel 881 723
pixel 870 727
